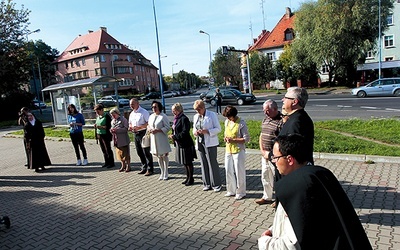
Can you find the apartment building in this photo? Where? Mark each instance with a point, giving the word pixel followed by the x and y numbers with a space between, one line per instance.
pixel 96 54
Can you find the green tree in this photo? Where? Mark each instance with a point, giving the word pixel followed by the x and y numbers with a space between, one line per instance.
pixel 14 67
pixel 338 33
pixel 261 70
pixel 226 67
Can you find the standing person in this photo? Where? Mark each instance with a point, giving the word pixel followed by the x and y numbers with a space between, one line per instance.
pixel 22 120
pixel 218 99
pixel 158 127
pixel 185 151
pixel 236 135
pixel 76 122
pixel 313 210
pixel 206 128
pixel 36 148
pixel 103 126
pixel 298 121
pixel 119 131
pixel 138 121
pixel 270 127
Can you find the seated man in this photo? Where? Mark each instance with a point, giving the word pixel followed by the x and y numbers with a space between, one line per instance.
pixel 313 211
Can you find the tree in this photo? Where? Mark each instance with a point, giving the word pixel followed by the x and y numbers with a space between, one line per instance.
pixel 261 70
pixel 13 57
pixel 338 33
pixel 226 67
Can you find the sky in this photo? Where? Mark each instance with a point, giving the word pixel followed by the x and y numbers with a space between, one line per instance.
pixel 131 22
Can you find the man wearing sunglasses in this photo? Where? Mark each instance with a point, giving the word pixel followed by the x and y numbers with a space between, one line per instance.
pixel 313 211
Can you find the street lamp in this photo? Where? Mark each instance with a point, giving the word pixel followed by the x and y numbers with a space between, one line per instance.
pixel 33 69
pixel 159 59
pixel 380 41
pixel 209 47
pixel 172 74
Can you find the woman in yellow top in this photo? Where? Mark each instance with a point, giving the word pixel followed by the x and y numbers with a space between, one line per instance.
pixel 236 135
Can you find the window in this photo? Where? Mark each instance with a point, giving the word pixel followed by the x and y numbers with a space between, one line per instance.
pixel 389 58
pixel 289 35
pixel 66 65
pixel 389 41
pixel 72 64
pixel 128 58
pixel 123 70
pixel 389 19
pixel 271 56
pixel 103 71
pixel 115 57
pixel 102 58
pixel 83 61
pixel 96 58
pixel 324 69
pixel 137 79
pixel 370 54
pixel 97 71
pixel 77 63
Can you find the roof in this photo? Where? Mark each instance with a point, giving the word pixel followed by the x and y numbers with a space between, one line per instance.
pixel 92 43
pixel 375 65
pixel 276 38
pixel 81 83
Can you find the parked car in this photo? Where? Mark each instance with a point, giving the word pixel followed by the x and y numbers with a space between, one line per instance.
pixel 230 96
pixel 151 95
pixel 380 87
pixel 38 104
pixel 206 96
pixel 167 94
pixel 111 100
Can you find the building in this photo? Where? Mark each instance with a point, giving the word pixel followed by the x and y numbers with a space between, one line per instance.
pixel 99 54
pixel 390 50
pixel 272 43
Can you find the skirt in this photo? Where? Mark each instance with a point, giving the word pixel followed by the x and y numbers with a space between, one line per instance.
pixel 122 152
pixel 185 156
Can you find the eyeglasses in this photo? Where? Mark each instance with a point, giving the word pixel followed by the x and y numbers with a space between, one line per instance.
pixel 290 98
pixel 276 158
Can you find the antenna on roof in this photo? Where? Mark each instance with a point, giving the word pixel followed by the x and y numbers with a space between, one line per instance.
pixel 262 8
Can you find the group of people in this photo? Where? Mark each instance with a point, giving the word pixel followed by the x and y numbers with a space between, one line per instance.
pixel 312 209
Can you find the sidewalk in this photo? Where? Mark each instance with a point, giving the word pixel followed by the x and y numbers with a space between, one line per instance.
pixel 88 207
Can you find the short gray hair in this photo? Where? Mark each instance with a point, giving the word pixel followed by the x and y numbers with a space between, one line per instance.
pixel 270 103
pixel 115 111
pixel 300 94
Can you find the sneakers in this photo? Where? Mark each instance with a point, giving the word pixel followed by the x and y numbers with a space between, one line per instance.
pixel 78 163
pixel 229 195
pixel 206 188
pixel 217 189
pixel 85 162
pixel 239 197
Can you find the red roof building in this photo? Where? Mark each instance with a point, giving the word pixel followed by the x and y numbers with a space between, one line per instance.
pixel 99 54
pixel 272 43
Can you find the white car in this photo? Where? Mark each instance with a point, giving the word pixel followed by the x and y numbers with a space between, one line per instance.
pixel 111 100
pixel 167 94
pixel 380 87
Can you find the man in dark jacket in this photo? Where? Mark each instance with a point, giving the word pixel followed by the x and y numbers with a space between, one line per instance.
pixel 313 211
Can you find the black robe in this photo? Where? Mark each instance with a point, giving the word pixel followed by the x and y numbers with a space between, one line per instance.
pixel 34 136
pixel 319 210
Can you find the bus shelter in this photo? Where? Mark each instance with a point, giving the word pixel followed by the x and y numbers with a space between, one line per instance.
pixel 84 94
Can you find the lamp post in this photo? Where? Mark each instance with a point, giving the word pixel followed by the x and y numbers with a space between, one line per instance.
pixel 33 69
pixel 209 48
pixel 380 41
pixel 172 72
pixel 159 59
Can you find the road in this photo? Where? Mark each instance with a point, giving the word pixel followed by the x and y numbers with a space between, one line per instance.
pixel 320 107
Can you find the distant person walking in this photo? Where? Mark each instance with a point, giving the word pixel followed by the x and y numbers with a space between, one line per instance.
pixel 22 120
pixel 76 122
pixel 36 148
pixel 218 100
pixel 103 126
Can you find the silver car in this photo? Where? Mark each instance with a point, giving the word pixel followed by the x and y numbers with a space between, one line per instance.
pixel 380 87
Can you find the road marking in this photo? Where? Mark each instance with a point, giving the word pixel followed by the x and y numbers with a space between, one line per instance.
pixel 390 109
pixel 320 105
pixel 343 106
pixel 366 107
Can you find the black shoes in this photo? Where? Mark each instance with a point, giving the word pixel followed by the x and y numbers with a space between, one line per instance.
pixel 142 172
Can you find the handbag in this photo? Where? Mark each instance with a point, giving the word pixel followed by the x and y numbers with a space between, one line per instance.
pixel 146 140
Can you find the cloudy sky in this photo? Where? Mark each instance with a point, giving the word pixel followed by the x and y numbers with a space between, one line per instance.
pixel 131 22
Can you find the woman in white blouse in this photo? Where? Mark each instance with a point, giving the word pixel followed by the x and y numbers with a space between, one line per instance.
pixel 158 127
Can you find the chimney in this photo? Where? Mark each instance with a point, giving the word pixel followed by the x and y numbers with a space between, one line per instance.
pixel 90 31
pixel 288 12
pixel 103 29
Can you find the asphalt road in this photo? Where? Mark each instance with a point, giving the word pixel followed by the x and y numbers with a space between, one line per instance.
pixel 320 107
